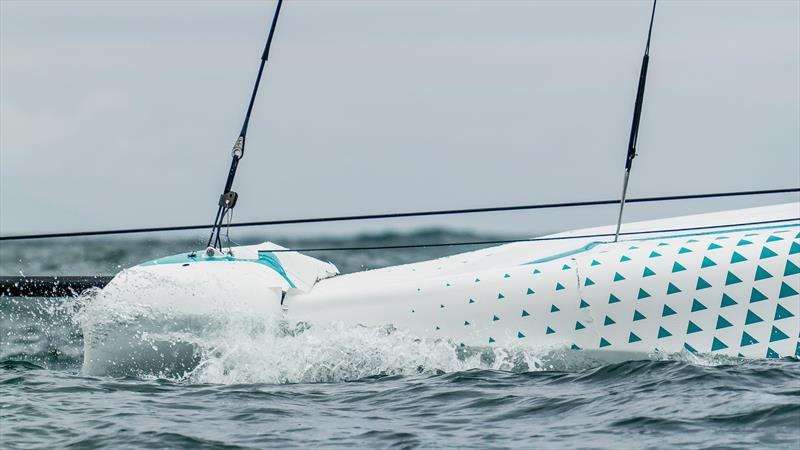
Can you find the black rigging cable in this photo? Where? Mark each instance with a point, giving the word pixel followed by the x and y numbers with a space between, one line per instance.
pixel 637 115
pixel 403 214
pixel 228 198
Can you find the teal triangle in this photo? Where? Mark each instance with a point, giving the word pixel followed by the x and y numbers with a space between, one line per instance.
pixel 797 348
pixel 437 327
pixel 633 338
pixel 677 267
pixel 774 238
pixel 702 284
pixel 772 354
pixel 782 313
pixel 795 248
pixel 638 316
pixel 662 244
pixel 647 272
pixel 737 258
pixel 777 335
pixel 608 321
pixel 500 296
pixel 767 253
pixel 747 340
pixel 732 279
pixel 574 347
pixel 466 323
pixel 579 326
pixel 559 286
pixel 791 269
pixel 707 262
pixel 584 304
pixel 723 323
pixel 633 247
pixel 525 313
pixel 588 282
pixel 762 274
pixel 495 318
pixel 554 308
pixel 535 271
pixel 618 277
pixel 752 318
pixel 743 242
pixel 716 344
pixel 689 347
pixel 692 240
pixel 520 335
pixel 613 299
pixel 506 276
pixel 530 291
pixel 477 280
pixel 672 289
pixel 604 343
pixel 727 301
pixel 624 258
pixel 756 296
pixel 662 333
pixel 491 340
pixel 471 301
pixel 654 254
pixel 684 250
pixel 642 294
pixel 693 328
pixel 786 291
pixel 550 331
pixel 667 311
pixel 713 246
pixel 595 262
pixel 441 306
pixel 565 267
pixel 697 306
pixel 721 238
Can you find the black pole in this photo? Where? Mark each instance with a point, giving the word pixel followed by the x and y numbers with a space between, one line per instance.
pixel 637 115
pixel 228 198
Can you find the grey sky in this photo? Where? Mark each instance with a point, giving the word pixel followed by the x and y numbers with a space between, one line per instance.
pixel 122 114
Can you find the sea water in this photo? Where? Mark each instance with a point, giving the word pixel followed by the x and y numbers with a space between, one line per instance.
pixel 257 382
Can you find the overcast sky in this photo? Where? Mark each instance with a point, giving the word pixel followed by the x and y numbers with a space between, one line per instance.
pixel 122 114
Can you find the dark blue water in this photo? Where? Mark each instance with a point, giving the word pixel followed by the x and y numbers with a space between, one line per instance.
pixel 353 388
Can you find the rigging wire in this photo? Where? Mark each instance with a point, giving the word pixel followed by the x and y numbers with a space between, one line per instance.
pixel 404 214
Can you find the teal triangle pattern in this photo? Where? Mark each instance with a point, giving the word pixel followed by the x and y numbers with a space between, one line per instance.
pixel 662 244
pixel 692 240
pixel 777 335
pixel 642 294
pixel 500 296
pixel 574 347
pixel 608 321
pixel 618 277
pixel 782 313
pixel 559 286
pixel 677 267
pixel 654 254
pixel 762 274
pixel 662 333
pixel 747 340
pixel 737 258
pixel 588 282
pixel 530 291
pixel 795 248
pixel 550 331
pixel 702 284
pixel 565 267
pixel 707 262
pixel 471 301
pixel 684 250
pixel 786 291
pixel 791 269
pixel 756 296
pixel 638 316
pixel 713 246
pixel 554 308
pixel 624 258
pixel 716 344
pixel 525 313
pixel 667 311
pixel 752 318
pixel 672 289
pixel 466 323
pixel 743 242
pixel 520 335
pixel 506 276
pixel 633 338
pixel 604 342
pixel 613 299
pixel 579 326
pixel 595 262
pixel 772 353
pixel 477 280
pixel 774 238
pixel 689 347
pixel 693 328
pixel 536 271
pixel 491 340
pixel 732 279
pixel 584 304
pixel 723 323
pixel 647 272
pixel 727 301
pixel 697 306
pixel 495 318
pixel 766 253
